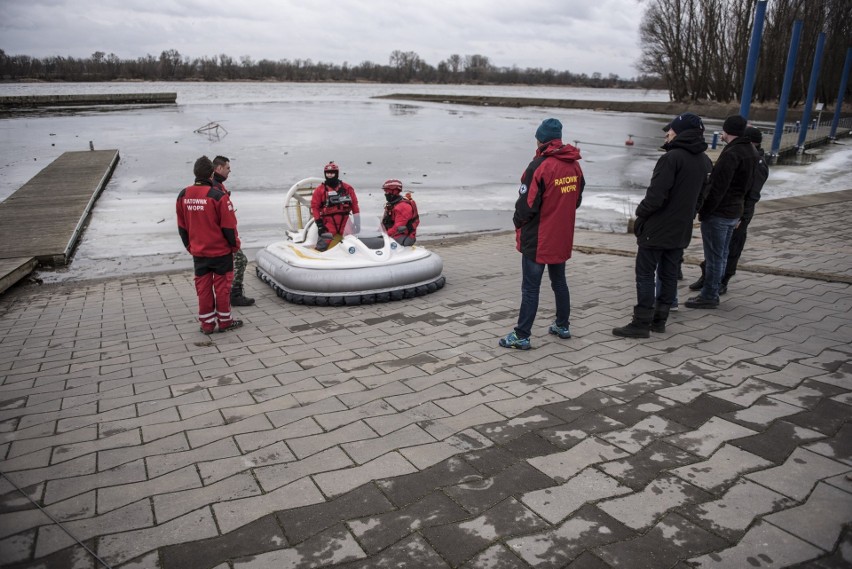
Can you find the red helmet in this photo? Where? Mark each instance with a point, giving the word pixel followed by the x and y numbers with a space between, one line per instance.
pixel 392 187
pixel 331 167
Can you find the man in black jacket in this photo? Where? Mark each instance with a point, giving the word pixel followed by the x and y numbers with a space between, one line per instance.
pixel 723 207
pixel 738 238
pixel 663 224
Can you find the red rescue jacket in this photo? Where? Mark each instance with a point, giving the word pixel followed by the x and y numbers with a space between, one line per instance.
pixel 401 218
pixel 550 193
pixel 206 221
pixel 334 216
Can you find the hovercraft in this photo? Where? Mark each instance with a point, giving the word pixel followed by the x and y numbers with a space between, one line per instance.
pixel 361 268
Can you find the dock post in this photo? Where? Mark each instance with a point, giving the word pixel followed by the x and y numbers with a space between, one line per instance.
pixel 843 81
pixel 785 90
pixel 753 53
pixel 812 87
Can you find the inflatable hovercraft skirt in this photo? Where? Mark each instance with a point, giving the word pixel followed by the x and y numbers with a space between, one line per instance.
pixel 358 269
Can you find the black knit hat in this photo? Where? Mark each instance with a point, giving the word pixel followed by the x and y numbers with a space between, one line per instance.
pixel 754 134
pixel 684 122
pixel 734 125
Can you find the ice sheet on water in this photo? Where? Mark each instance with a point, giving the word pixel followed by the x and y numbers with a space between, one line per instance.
pixel 462 163
pixel 830 172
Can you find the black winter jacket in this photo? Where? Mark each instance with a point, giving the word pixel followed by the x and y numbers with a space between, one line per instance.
pixel 761 173
pixel 730 181
pixel 664 217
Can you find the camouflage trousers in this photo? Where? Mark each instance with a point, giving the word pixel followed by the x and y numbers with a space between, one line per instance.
pixel 240 262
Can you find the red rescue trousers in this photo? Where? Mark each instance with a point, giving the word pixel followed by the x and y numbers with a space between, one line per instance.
pixel 213 278
pixel 214 299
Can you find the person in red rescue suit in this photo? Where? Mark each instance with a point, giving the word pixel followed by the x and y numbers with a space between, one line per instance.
pixel 550 193
pixel 208 228
pixel 331 204
pixel 400 218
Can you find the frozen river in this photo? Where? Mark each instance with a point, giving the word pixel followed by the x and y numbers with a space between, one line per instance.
pixel 463 163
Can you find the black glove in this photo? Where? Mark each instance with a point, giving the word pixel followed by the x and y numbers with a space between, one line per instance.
pixel 321 227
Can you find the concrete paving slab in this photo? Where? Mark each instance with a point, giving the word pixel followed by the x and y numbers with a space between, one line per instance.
pixel 307 439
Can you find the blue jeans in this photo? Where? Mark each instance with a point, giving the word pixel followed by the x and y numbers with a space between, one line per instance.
pixel 530 285
pixel 656 276
pixel 716 234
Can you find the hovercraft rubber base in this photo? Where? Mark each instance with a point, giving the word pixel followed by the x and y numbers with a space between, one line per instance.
pixel 352 298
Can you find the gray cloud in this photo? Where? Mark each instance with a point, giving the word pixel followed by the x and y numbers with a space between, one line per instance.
pixel 577 35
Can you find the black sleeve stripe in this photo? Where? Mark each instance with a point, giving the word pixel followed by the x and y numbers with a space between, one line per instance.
pixel 530 171
pixel 230 236
pixel 215 194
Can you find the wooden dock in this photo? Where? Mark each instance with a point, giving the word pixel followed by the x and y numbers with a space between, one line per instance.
pixel 41 222
pixel 27 101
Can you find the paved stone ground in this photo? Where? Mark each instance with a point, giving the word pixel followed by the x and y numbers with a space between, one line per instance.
pixel 400 435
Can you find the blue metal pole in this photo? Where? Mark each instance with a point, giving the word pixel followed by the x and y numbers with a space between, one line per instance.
pixel 843 81
pixel 809 103
pixel 785 90
pixel 753 53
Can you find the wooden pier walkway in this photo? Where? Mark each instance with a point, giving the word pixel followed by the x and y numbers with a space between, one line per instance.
pixel 26 101
pixel 41 222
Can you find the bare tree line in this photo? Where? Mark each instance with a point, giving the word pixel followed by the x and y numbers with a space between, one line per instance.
pixel 403 67
pixel 700 47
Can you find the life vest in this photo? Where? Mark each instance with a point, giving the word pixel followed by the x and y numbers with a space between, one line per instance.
pixel 336 201
pixel 412 224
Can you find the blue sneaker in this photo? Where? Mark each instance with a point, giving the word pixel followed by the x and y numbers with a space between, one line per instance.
pixel 513 341
pixel 562 331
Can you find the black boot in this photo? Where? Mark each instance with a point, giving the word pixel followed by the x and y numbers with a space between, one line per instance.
pixel 639 327
pixel 723 286
pixel 699 284
pixel 661 314
pixel 237 298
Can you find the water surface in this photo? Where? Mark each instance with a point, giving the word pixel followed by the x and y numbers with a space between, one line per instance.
pixel 463 163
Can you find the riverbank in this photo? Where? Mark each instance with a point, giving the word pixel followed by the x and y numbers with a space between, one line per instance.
pixel 704 109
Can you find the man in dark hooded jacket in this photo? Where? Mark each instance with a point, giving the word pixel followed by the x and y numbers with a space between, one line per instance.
pixel 663 224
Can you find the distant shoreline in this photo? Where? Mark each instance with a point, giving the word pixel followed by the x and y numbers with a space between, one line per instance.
pixel 706 110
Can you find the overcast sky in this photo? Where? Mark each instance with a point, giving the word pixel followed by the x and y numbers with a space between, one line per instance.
pixel 581 36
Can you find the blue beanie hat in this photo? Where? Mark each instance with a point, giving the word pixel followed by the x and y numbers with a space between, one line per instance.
pixel 548 130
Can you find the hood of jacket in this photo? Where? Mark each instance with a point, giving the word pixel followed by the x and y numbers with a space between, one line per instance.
pixel 557 149
pixel 691 140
